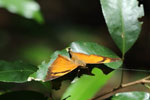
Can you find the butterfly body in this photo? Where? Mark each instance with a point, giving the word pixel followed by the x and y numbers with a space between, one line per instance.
pixel 63 65
pixel 77 61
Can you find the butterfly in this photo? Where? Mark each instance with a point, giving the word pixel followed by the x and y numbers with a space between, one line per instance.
pixel 63 65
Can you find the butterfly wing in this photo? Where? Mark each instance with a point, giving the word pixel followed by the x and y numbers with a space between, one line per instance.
pixel 60 67
pixel 92 59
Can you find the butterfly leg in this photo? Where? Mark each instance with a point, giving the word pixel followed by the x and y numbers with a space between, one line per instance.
pixel 81 71
pixel 84 70
pixel 78 72
pixel 89 72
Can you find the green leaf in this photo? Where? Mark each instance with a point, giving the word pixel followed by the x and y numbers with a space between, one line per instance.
pixel 121 17
pixel 15 71
pixel 86 87
pixel 131 96
pixel 27 8
pixel 94 48
pixel 82 47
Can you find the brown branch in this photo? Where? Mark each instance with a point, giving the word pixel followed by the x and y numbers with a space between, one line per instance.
pixel 144 80
pixel 121 88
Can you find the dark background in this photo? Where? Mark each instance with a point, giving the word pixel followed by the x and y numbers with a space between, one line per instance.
pixel 66 21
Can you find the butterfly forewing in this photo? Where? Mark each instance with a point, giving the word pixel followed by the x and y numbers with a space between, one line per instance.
pixel 60 67
pixel 92 59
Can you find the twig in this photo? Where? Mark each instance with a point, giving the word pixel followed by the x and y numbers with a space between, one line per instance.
pixel 120 89
pixel 144 80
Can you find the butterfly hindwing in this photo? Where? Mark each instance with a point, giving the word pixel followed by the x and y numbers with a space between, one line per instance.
pixel 60 67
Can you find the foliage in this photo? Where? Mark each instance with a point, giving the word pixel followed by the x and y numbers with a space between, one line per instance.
pixel 27 8
pixel 131 96
pixel 124 28
pixel 83 47
pixel 15 71
pixel 121 17
pixel 80 87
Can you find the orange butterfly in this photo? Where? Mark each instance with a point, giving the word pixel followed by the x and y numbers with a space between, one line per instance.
pixel 63 65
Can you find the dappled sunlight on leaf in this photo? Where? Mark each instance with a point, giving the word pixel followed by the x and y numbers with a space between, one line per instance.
pixel 131 96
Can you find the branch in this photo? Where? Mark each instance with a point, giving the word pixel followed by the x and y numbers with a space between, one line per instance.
pixel 121 88
pixel 141 81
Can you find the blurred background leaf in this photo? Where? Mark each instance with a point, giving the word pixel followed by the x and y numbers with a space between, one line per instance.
pixel 28 8
pixel 35 54
pixel 15 71
pixel 131 96
pixel 122 19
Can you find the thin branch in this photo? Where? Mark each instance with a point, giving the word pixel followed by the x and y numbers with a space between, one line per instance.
pixel 144 80
pixel 120 89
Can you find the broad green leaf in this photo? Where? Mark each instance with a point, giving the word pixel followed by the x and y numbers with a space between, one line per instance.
pixel 121 17
pixel 27 8
pixel 15 71
pixel 82 47
pixel 131 96
pixel 94 48
pixel 86 87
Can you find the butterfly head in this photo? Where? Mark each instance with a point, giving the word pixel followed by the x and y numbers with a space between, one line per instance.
pixel 69 51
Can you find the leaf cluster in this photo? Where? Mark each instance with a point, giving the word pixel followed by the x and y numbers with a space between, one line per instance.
pixel 121 17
